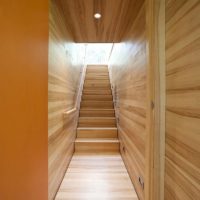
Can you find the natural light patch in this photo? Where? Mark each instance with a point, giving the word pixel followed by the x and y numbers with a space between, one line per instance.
pixel 98 53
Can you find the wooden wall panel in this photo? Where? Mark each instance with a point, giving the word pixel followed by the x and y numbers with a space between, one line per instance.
pixel 128 77
pixel 182 161
pixel 23 99
pixel 114 23
pixel 155 139
pixel 65 65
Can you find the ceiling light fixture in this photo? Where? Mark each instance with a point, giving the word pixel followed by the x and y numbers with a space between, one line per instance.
pixel 97 15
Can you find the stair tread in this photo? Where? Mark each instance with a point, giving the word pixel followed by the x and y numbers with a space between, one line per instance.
pixel 96 101
pixel 97 117
pixel 92 76
pixel 97 128
pixel 96 90
pixel 96 112
pixel 99 140
pixel 97 132
pixel 86 100
pixel 98 95
pixel 88 97
pixel 101 109
pixel 105 95
pixel 96 98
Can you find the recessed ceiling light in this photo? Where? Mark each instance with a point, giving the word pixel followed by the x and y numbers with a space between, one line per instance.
pixel 97 15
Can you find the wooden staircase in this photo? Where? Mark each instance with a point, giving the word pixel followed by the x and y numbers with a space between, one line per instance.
pixel 97 131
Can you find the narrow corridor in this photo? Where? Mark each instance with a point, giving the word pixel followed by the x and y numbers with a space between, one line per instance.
pixel 131 130
pixel 96 170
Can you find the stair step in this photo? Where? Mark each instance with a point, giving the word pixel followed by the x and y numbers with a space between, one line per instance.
pixel 97 104
pixel 104 132
pixel 97 70
pixel 97 113
pixel 103 81
pixel 99 91
pixel 88 74
pixel 97 122
pixel 97 66
pixel 97 97
pixel 100 78
pixel 97 85
pixel 97 74
pixel 96 145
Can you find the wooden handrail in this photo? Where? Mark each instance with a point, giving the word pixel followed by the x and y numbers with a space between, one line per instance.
pixel 78 96
pixel 69 112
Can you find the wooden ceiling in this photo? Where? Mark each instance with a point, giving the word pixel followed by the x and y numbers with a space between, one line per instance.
pixel 117 17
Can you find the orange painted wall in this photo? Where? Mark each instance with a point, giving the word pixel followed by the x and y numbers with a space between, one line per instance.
pixel 23 99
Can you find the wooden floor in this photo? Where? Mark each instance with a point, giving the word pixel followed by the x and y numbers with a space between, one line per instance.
pixel 96 177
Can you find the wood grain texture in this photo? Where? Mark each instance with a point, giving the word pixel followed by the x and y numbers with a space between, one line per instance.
pixel 128 77
pixel 115 21
pixel 182 161
pixel 97 118
pixel 23 99
pixel 97 132
pixel 65 65
pixel 96 177
pixel 97 145
pixel 155 139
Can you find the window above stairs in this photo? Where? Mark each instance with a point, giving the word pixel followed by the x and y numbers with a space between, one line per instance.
pixel 98 53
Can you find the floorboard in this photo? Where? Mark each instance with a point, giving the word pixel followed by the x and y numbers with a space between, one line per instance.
pixel 95 177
